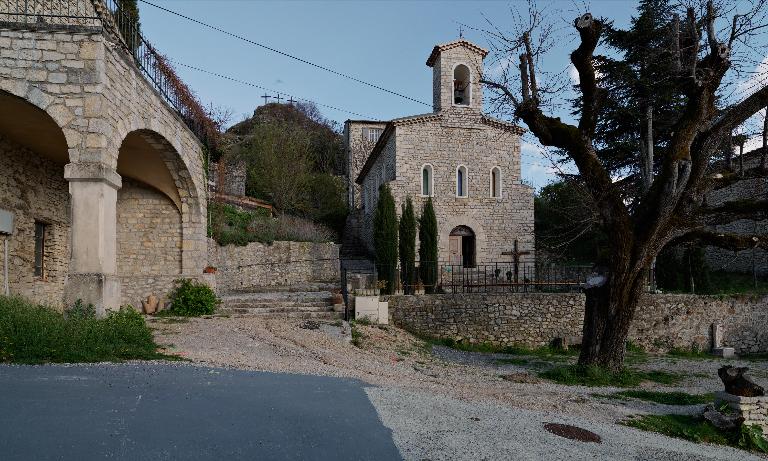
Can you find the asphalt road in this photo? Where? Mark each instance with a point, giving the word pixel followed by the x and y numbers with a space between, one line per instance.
pixel 169 412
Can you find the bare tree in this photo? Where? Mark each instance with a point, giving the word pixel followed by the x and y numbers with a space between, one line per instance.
pixel 672 209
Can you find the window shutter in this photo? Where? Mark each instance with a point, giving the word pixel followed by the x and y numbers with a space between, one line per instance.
pixel 365 134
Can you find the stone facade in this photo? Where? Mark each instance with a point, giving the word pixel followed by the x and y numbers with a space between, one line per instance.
pixel 33 189
pixel 662 322
pixel 746 189
pixel 454 136
pixel 114 123
pixel 259 266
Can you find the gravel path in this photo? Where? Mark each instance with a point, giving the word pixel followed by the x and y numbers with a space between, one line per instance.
pixel 426 427
pixel 402 367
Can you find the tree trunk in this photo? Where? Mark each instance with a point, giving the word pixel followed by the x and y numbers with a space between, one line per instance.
pixel 765 140
pixel 609 310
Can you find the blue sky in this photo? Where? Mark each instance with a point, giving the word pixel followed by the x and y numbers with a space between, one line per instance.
pixel 382 42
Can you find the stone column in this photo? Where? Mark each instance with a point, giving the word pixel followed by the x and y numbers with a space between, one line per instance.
pixel 93 262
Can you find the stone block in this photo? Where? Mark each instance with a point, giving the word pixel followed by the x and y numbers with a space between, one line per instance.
pixel 724 352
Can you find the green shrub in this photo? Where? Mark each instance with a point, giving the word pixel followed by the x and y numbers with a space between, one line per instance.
pixel 231 226
pixel 428 247
pixel 385 238
pixel 191 298
pixel 33 334
pixel 407 248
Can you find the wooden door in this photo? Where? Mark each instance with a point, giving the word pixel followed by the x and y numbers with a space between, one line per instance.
pixel 454 250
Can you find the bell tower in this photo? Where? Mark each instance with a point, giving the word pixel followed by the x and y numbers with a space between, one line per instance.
pixel 456 72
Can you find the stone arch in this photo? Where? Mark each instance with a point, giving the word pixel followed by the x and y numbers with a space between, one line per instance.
pixel 27 121
pixel 150 158
pixel 462 85
pixel 449 223
pixel 33 152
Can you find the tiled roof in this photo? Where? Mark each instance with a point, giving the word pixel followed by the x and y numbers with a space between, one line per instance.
pixel 455 44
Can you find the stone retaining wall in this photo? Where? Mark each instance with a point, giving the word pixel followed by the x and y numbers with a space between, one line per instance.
pixel 662 322
pixel 257 265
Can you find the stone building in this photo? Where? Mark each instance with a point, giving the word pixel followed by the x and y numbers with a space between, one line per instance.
pixel 100 175
pixel 748 188
pixel 468 162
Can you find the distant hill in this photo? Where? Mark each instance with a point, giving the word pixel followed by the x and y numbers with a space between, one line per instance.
pixel 325 139
pixel 294 158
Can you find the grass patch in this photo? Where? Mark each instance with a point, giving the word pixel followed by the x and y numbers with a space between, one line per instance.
pixel 699 430
pixel 512 361
pixel 33 334
pixel 576 375
pixel 488 348
pixel 666 398
pixel 692 354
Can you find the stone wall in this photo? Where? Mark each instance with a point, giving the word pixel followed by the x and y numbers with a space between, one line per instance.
pixel 33 189
pixel 662 322
pixel 149 240
pixel 258 266
pixel 527 319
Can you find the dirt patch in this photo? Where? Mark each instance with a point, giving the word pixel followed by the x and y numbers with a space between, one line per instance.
pixel 572 432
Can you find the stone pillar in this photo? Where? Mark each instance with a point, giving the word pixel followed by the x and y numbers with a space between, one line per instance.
pixel 93 262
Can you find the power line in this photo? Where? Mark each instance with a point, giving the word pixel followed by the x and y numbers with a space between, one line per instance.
pixel 288 55
pixel 243 82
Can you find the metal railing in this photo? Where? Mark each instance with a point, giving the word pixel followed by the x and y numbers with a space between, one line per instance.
pixel 49 13
pixel 155 68
pixel 495 277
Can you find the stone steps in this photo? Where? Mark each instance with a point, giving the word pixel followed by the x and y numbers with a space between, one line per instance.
pixel 281 304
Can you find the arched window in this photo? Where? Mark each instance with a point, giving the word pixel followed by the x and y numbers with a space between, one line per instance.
pixel 461 181
pixel 426 180
pixel 461 85
pixel 496 182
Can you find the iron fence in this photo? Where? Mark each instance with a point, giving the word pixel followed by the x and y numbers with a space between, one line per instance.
pixel 495 277
pixel 48 13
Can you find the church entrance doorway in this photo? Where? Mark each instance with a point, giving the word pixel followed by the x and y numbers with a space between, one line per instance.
pixel 461 246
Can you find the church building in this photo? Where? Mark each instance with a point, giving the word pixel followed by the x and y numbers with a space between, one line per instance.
pixel 465 160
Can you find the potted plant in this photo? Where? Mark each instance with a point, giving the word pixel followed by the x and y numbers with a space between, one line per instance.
pixel 209 270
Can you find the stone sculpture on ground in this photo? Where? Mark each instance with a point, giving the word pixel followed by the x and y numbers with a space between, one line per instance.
pixel 738 383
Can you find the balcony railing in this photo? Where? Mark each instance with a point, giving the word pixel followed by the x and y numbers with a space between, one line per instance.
pixel 49 14
pixel 79 14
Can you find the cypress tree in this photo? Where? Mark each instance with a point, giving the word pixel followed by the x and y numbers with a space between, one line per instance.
pixel 385 238
pixel 408 247
pixel 428 247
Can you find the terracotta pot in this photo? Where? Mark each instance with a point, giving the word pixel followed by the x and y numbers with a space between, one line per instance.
pixel 209 270
pixel 150 305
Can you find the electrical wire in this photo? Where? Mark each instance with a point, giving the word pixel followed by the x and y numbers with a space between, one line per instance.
pixel 288 55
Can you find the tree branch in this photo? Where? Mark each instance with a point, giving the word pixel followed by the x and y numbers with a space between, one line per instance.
pixel 589 31
pixel 503 89
pixel 737 209
pixel 735 242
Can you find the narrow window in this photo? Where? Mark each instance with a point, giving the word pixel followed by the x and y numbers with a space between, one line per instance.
pixel 461 85
pixel 426 180
pixel 461 181
pixel 496 182
pixel 40 236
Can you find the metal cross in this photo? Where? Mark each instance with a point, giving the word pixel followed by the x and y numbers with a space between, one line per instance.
pixel 266 96
pixel 292 101
pixel 515 253
pixel 278 98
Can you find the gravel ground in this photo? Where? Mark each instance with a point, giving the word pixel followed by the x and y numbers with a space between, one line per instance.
pixel 426 427
pixel 398 363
